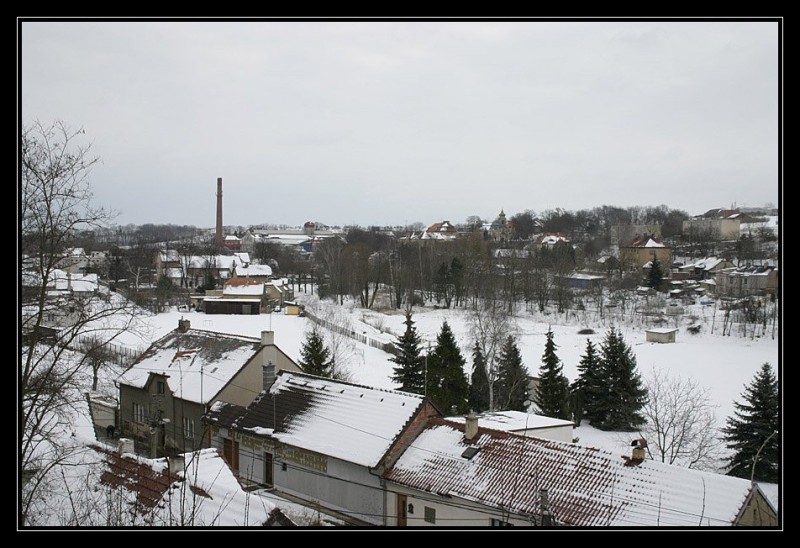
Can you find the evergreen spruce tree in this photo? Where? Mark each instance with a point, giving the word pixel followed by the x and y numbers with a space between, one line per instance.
pixel 315 358
pixel 656 275
pixel 619 405
pixel 447 384
pixel 552 394
pixel 511 387
pixel 479 381
pixel 753 427
pixel 410 369
pixel 587 384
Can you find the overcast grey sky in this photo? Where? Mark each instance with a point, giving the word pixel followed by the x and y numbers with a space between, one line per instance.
pixel 397 122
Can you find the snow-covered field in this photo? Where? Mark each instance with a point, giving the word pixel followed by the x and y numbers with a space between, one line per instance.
pixel 722 364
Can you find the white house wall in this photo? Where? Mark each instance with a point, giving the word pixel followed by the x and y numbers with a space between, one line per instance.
pixel 335 484
pixel 449 511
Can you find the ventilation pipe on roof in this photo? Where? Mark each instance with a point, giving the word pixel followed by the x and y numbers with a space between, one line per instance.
pixel 268 375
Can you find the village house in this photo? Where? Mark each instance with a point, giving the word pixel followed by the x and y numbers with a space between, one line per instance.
pixel 465 475
pixel 713 225
pixel 524 424
pixel 748 280
pixel 382 457
pixel 194 489
pixel 706 268
pixel 74 261
pixel 642 250
pixel 319 440
pixel 168 389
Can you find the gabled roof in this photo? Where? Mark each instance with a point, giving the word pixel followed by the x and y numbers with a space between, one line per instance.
pixel 347 421
pixel 707 263
pixel 243 286
pixel 645 241
pixel 262 270
pixel 444 226
pixel 586 486
pixel 551 238
pixel 197 363
pixel 61 280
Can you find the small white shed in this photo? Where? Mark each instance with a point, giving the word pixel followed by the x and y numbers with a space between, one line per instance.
pixel 661 334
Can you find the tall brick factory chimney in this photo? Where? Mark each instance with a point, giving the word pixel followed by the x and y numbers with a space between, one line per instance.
pixel 219 241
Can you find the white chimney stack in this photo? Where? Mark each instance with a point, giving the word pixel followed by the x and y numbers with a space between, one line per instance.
pixel 471 426
pixel 176 464
pixel 125 445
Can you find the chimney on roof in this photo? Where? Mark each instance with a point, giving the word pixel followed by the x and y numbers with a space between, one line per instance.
pixel 124 445
pixel 638 453
pixel 184 325
pixel 176 464
pixel 471 426
pixel 544 504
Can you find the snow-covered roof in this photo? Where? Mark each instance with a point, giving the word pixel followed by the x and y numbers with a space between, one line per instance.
pixel 202 492
pixel 197 363
pixel 513 421
pixel 584 276
pixel 243 256
pixel 552 238
pixel 708 263
pixel 645 241
pixel 586 486
pixel 261 270
pixel 662 330
pixel 347 421
pixel 252 289
pixel 60 280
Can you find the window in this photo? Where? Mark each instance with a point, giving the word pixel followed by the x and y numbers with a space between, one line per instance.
pixel 188 428
pixel 160 387
pixel 430 514
pixel 138 412
pixel 500 523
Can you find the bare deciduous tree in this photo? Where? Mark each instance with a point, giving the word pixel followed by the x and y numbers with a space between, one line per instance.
pixel 490 325
pixel 681 425
pixel 56 204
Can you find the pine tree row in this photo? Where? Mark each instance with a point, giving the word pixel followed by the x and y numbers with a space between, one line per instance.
pixel 608 392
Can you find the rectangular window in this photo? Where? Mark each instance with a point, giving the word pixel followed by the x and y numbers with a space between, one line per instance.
pixel 160 387
pixel 430 514
pixel 188 428
pixel 138 412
